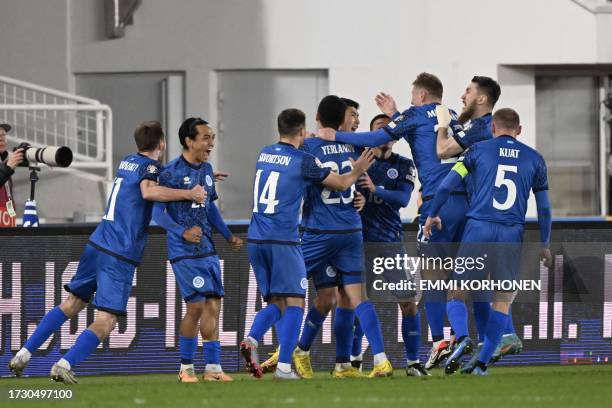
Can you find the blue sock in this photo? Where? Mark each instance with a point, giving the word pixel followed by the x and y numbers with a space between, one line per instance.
pixel 212 352
pixel 49 324
pixel 85 344
pixel 357 339
pixel 495 329
pixel 312 325
pixel 435 312
pixel 411 333
pixel 509 324
pixel 482 310
pixel 264 319
pixel 343 329
pixel 279 331
pixel 457 316
pixel 371 326
pixel 292 320
pixel 187 348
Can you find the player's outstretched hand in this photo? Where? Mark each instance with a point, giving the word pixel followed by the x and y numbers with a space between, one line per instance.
pixel 366 183
pixel 193 235
pixel 386 104
pixel 430 224
pixel 235 243
pixel 546 257
pixel 328 134
pixel 221 175
pixel 364 162
pixel 443 115
pixel 359 201
pixel 198 194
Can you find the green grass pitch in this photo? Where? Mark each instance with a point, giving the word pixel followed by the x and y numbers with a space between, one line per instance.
pixel 522 387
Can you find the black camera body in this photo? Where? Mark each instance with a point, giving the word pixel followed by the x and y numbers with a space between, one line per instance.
pixel 54 156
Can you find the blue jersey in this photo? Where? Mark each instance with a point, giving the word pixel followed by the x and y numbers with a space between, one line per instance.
pixel 180 174
pixel 381 220
pixel 325 210
pixel 474 131
pixel 503 170
pixel 419 125
pixel 282 174
pixel 123 229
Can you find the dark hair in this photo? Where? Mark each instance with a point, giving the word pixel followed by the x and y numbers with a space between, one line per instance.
pixel 331 111
pixel 189 129
pixel 290 122
pixel 489 87
pixel 350 103
pixel 148 135
pixel 430 83
pixel 379 116
pixel 507 118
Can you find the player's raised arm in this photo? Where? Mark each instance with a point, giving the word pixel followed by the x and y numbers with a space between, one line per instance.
pixel 154 192
pixel 446 147
pixel 362 139
pixel 338 182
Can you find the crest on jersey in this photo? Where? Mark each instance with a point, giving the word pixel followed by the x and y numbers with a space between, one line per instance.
pixel 209 181
pixel 186 180
pixel 330 271
pixel 198 282
pixel 392 173
pixel 304 283
pixel 152 169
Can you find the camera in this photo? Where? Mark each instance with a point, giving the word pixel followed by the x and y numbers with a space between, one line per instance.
pixel 54 156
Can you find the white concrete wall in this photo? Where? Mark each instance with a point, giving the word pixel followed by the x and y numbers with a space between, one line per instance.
pixel 366 46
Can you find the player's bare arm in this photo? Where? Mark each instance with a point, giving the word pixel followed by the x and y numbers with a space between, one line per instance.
pixel 446 147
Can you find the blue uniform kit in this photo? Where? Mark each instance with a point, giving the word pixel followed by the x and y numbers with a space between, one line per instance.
pixel 196 266
pixel 282 176
pixel 115 248
pixel 332 240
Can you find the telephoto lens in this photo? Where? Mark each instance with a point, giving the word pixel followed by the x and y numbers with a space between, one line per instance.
pixel 54 156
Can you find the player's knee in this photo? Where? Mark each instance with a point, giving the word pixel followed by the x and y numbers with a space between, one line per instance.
pixel 457 295
pixel 72 305
pixel 325 300
pixel 195 309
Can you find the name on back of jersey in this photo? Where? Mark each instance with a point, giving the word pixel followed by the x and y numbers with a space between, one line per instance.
pixel 128 166
pixel 506 152
pixel 338 149
pixel 274 159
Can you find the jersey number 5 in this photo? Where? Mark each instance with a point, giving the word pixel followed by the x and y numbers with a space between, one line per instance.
pixel 500 180
pixel 268 194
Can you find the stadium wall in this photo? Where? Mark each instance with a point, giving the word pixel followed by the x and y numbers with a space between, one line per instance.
pixel 365 46
pixel 568 322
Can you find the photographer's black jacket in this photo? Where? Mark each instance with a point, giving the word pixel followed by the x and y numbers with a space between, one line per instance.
pixel 5 171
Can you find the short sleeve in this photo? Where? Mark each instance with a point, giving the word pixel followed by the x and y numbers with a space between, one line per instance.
pixel 478 132
pixel 540 180
pixel 148 171
pixel 313 170
pixel 469 158
pixel 404 124
pixel 408 171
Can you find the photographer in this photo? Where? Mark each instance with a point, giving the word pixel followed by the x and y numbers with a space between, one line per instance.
pixel 7 168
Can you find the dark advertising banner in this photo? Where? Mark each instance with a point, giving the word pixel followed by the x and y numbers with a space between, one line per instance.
pixel 566 318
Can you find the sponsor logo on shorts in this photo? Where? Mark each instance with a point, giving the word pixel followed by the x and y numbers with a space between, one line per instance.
pixel 330 271
pixel 198 282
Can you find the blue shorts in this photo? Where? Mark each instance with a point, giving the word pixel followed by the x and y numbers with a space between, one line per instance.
pixel 497 245
pixel 105 275
pixel 333 259
pixel 199 278
pixel 279 269
pixel 442 243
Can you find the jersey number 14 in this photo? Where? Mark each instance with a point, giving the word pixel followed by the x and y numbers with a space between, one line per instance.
pixel 268 193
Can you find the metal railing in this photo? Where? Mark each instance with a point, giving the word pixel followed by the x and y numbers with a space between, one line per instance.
pixel 46 117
